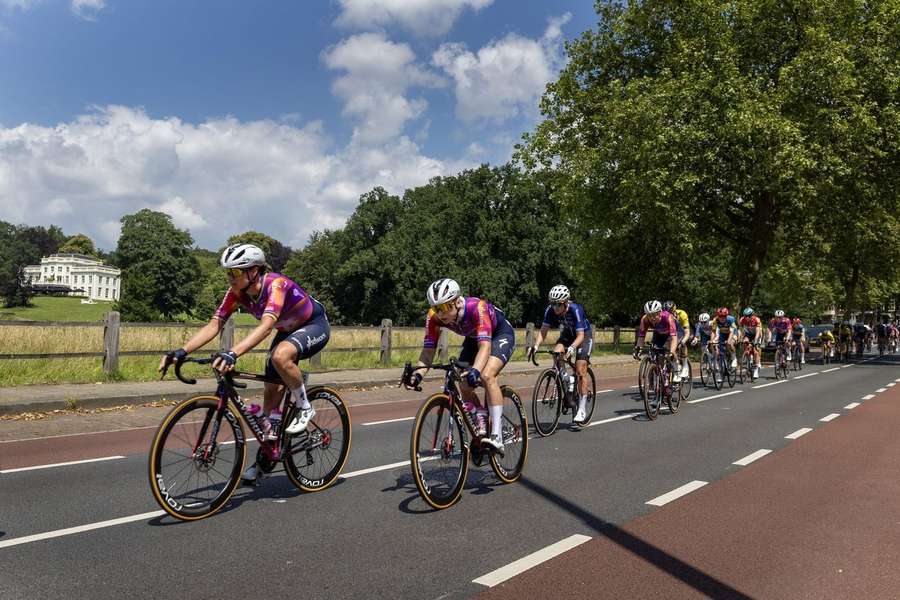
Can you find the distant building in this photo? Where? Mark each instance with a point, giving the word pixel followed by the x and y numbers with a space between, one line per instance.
pixel 75 275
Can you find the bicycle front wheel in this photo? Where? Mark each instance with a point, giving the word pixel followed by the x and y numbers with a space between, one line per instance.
pixel 514 431
pixel 653 391
pixel 313 459
pixel 546 402
pixel 705 370
pixel 438 452
pixel 642 374
pixel 196 458
pixel 687 383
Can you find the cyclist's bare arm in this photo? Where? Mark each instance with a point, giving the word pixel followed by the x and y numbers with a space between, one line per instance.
pixel 425 359
pixel 199 339
pixel 260 333
pixel 540 336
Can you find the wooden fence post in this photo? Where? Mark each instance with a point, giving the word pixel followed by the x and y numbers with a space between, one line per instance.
pixel 226 336
pixel 529 335
pixel 443 346
pixel 617 331
pixel 111 343
pixel 386 341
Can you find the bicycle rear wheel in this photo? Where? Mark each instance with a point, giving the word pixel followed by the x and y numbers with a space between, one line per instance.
pixel 313 459
pixel 546 402
pixel 438 452
pixel 192 475
pixel 673 398
pixel 705 370
pixel 653 391
pixel 514 431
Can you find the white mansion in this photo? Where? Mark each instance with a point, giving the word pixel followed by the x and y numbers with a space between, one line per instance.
pixel 83 275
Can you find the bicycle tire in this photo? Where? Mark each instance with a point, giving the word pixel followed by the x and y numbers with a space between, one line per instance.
pixel 184 434
pixel 545 411
pixel 439 466
pixel 508 468
pixel 591 400
pixel 705 370
pixel 324 446
pixel 718 371
pixel 652 394
pixel 642 373
pixel 673 399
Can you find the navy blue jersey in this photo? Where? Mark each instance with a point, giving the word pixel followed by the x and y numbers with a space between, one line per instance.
pixel 572 321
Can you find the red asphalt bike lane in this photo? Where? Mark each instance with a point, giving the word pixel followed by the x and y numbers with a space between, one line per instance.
pixel 124 442
pixel 818 518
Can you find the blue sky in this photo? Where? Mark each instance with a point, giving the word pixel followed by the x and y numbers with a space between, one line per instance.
pixel 268 115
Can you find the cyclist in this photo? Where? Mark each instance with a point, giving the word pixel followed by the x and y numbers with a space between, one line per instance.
pixel 826 338
pixel 702 332
pixel 576 338
pixel 751 331
pixel 779 326
pixel 883 331
pixel 488 346
pixel 662 324
pixel 724 324
pixel 300 322
pixel 860 331
pixel 845 334
pixel 683 329
pixel 798 338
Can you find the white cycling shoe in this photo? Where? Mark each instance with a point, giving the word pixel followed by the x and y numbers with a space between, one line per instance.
pixel 495 442
pixel 579 416
pixel 301 421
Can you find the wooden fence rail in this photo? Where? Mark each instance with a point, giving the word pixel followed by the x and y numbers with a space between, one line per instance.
pixel 112 327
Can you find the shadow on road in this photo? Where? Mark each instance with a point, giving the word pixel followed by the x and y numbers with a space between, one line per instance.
pixel 700 581
pixel 478 482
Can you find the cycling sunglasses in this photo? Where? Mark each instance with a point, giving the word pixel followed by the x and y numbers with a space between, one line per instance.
pixel 558 304
pixel 446 306
pixel 234 273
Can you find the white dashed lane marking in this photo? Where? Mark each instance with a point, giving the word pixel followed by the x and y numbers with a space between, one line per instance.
pixel 532 560
pixel 852 405
pixel 798 433
pixel 677 493
pixel 830 417
pixel 751 457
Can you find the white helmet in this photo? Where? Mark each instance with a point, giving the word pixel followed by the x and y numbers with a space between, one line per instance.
pixel 704 317
pixel 242 256
pixel 779 313
pixel 441 291
pixel 652 306
pixel 558 293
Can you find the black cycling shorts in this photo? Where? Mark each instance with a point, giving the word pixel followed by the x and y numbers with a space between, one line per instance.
pixel 583 352
pixel 308 340
pixel 503 342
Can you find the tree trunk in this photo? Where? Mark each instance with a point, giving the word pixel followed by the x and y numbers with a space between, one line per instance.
pixel 850 290
pixel 761 235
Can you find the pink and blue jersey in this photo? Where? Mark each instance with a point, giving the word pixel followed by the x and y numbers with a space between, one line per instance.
pixel 478 321
pixel 780 325
pixel 664 327
pixel 280 297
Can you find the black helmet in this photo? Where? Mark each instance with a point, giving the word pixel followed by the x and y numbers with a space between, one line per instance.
pixel 668 305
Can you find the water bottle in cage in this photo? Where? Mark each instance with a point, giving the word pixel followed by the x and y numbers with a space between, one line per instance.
pixel 256 412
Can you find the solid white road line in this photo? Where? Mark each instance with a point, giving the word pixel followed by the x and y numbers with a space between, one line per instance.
pixel 532 560
pixel 604 391
pixel 798 433
pixel 807 375
pixel 897 380
pixel 375 469
pixel 389 421
pixel 756 387
pixel 846 366
pixel 830 370
pixel 81 528
pixel 868 396
pixel 610 420
pixel 751 457
pixel 715 396
pixel 62 464
pixel 879 390
pixel 891 384
pixel 830 417
pixel 851 406
pixel 677 493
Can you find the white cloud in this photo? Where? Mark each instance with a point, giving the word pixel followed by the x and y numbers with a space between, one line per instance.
pixel 506 78
pixel 377 75
pixel 88 9
pixel 422 17
pixel 216 178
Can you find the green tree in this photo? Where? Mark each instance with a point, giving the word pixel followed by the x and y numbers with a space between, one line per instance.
pixel 160 275
pixel 693 130
pixel 79 244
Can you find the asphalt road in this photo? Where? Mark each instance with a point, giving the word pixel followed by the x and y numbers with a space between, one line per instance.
pixel 370 535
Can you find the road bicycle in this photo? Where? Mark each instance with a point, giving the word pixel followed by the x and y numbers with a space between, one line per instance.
pixel 687 382
pixel 444 437
pixel 722 370
pixel 198 453
pixel 707 364
pixel 659 384
pixel 747 364
pixel 643 355
pixel 881 347
pixel 781 365
pixel 826 352
pixel 796 356
pixel 551 396
pixel 844 350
